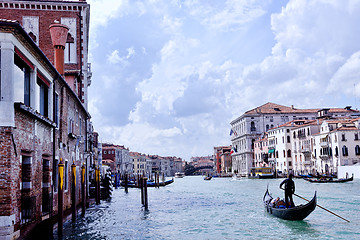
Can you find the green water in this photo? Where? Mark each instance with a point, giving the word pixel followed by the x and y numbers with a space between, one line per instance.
pixel 222 208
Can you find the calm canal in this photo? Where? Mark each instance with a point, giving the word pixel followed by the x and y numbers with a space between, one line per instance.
pixel 222 208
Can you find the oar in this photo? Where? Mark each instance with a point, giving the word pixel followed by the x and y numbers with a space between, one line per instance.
pixel 320 207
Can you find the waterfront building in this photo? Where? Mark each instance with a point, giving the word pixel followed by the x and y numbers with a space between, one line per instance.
pixel 139 163
pixel 337 144
pixel 261 153
pixel 302 146
pixel 218 152
pixel 178 166
pixel 120 155
pixel 252 124
pixel 42 122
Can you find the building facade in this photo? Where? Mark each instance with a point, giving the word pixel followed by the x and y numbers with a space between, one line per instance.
pixel 254 123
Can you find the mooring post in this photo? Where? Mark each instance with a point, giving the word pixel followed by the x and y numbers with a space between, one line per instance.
pixel 73 192
pixel 97 187
pixel 158 179
pixel 163 177
pixel 116 179
pixel 142 190
pixel 83 195
pixel 145 193
pixel 60 197
pixel 126 183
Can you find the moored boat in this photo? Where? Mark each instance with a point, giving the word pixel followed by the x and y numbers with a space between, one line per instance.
pixel 179 174
pixel 149 184
pixel 207 178
pixel 295 213
pixel 329 180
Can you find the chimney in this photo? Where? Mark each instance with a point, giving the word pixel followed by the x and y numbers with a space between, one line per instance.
pixel 58 34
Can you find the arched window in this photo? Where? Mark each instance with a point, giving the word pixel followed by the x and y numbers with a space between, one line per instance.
pixel 289 153
pixel 357 150
pixel 267 127
pixel 277 154
pixel 284 153
pixel 336 150
pixel 252 127
pixel 288 139
pixel 344 150
pixel 294 135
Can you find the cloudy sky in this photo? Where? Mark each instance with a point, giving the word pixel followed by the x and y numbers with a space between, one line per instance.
pixel 170 75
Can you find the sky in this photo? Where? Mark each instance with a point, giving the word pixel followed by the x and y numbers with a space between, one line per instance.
pixel 170 75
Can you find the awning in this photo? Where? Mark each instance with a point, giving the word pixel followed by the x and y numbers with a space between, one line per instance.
pixel 271 150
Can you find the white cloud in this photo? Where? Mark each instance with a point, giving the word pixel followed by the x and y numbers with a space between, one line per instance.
pixel 197 80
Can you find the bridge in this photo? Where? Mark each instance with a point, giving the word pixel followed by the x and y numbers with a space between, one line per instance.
pixel 192 170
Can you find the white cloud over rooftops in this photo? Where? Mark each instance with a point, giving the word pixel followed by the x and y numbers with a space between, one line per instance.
pixel 178 72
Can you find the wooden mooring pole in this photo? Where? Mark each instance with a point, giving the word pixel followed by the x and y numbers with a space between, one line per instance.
pixel 126 183
pixel 73 192
pixel 83 195
pixel 145 193
pixel 142 190
pixel 97 187
pixel 60 198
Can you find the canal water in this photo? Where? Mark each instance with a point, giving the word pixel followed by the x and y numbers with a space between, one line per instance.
pixel 221 208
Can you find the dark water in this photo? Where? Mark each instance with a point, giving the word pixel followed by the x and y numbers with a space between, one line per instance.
pixel 222 208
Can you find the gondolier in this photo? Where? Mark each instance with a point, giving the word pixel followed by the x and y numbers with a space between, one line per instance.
pixel 289 190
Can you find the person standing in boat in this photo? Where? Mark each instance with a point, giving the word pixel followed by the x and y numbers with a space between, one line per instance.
pixel 289 190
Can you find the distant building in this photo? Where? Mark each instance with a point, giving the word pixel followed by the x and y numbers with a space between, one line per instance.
pixel 220 159
pixel 254 123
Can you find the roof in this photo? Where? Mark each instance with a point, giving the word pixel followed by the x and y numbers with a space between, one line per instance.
pixel 273 108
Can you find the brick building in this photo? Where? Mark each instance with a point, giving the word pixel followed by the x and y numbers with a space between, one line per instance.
pixel 44 116
pixel 37 16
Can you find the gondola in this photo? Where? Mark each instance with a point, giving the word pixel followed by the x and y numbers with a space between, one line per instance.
pixel 329 180
pixel 295 213
pixel 149 184
pixel 208 178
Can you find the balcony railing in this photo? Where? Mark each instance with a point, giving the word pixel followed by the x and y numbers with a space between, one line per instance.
pixel 324 144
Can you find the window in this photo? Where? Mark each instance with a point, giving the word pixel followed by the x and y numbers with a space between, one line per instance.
pixel 46 198
pixel 26 172
pixel 345 151
pixel 267 127
pixel 336 151
pixel 21 82
pixel 44 98
pixel 69 50
pixel 252 127
pixel 356 136
pixel 288 139
pixel 289 153
pixel 343 137
pixel 284 153
pixel 357 150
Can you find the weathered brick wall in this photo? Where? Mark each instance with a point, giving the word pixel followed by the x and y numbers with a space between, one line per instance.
pixel 32 137
pixel 7 196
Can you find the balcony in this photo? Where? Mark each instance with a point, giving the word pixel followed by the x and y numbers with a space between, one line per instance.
pixel 307 162
pixel 324 144
pixel 324 156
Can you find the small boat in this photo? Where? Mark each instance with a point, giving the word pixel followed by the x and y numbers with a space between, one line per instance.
pixel 329 180
pixel 179 175
pixel 207 178
pixel 149 184
pixel 295 213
